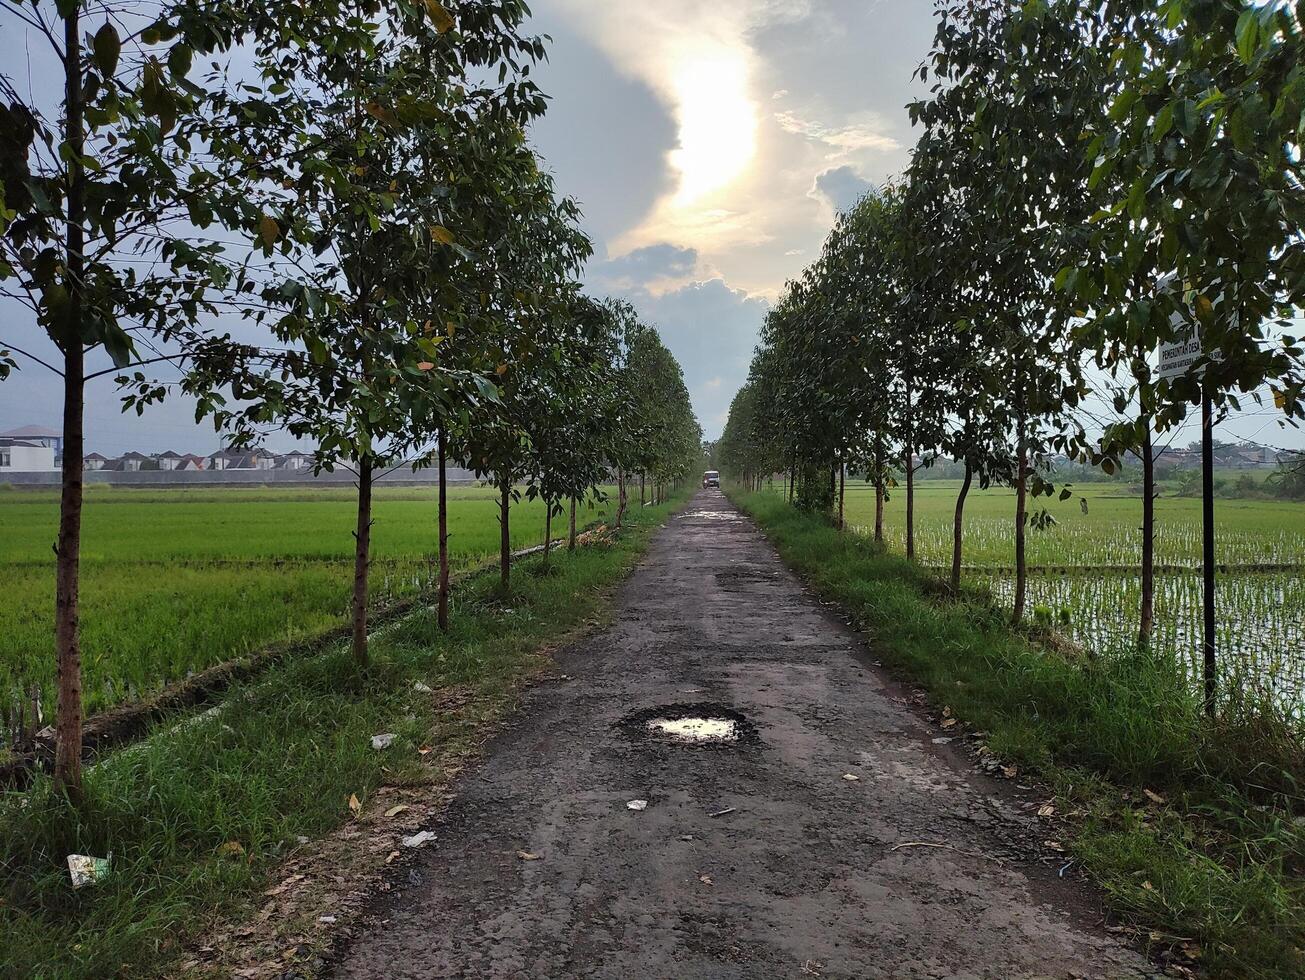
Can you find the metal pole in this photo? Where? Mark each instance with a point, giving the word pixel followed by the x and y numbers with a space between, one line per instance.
pixel 1207 541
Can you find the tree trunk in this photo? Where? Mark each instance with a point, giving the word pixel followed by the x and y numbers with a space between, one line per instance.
pixel 910 475
pixel 1021 519
pixel 570 534
pixel 879 490
pixel 504 537
pixel 1146 619
pixel 910 504
pixel 362 560
pixel 443 537
pixel 842 490
pixel 548 529
pixel 67 638
pixel 643 481
pixel 957 527
pixel 620 498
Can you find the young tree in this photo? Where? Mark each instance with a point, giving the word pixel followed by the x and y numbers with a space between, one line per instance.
pixel 103 197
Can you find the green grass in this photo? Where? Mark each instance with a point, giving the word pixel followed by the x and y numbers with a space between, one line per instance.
pixel 279 760
pixel 1220 862
pixel 178 580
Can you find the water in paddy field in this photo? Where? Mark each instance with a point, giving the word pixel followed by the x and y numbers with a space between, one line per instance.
pixel 1260 619
pixel 989 542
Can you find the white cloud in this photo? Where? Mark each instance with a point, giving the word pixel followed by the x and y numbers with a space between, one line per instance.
pixel 866 135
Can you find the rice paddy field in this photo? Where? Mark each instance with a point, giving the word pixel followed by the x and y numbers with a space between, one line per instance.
pixel 1084 581
pixel 174 581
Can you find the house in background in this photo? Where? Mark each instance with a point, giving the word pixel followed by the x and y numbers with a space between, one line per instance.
pixel 295 461
pixel 133 462
pixel 228 459
pixel 169 460
pixel 37 435
pixel 94 461
pixel 22 456
pixel 224 459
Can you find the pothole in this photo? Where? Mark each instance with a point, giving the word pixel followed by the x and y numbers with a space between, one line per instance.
pixel 696 729
pixel 699 724
pixel 743 576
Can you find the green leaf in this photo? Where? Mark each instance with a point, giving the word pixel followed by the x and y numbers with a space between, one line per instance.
pixel 1125 101
pixel 1164 121
pixel 179 59
pixel 107 47
pixel 1248 34
pixel 1185 116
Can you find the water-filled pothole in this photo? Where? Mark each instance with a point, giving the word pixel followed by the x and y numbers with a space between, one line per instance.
pixel 698 723
pixel 695 729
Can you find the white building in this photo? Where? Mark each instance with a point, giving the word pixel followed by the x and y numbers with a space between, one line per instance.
pixel 36 435
pixel 21 456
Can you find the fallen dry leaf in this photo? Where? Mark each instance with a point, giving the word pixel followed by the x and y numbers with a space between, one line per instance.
pixel 278 889
pixel 1054 845
pixel 1046 810
pixel 949 723
pixel 1153 797
pixel 354 805
pixel 705 879
pixel 394 811
pixel 528 856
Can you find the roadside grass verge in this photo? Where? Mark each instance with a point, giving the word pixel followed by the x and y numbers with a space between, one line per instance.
pixel 198 815
pixel 1212 861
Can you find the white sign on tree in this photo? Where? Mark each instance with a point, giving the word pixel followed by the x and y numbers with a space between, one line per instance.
pixel 1177 356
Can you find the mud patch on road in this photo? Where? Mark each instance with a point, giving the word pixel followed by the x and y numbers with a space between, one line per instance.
pixel 696 724
pixel 744 576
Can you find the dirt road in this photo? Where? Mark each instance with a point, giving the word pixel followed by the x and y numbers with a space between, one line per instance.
pixel 755 857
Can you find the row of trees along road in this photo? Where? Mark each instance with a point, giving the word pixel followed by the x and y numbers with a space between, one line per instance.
pixel 1090 181
pixel 325 217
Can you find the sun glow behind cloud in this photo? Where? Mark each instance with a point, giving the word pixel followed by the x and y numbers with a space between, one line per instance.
pixel 739 171
pixel 717 121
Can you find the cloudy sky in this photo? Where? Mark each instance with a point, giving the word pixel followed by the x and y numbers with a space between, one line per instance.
pixel 708 142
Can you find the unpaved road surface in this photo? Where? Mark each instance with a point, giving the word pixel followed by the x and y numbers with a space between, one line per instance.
pixel 807 876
